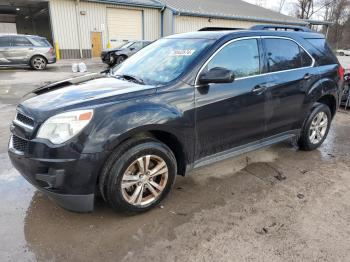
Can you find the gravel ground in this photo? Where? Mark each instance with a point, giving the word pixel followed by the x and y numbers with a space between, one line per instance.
pixel 275 204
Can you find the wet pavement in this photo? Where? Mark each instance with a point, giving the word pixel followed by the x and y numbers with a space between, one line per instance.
pixel 275 204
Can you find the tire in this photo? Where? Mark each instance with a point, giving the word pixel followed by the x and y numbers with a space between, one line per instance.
pixel 316 128
pixel 125 180
pixel 38 63
pixel 341 53
pixel 112 61
pixel 121 59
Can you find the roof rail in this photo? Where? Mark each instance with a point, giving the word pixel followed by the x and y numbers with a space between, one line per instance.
pixel 281 28
pixel 219 29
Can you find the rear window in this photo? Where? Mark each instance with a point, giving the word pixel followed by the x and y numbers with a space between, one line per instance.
pixel 325 55
pixel 280 60
pixel 40 42
pixel 21 41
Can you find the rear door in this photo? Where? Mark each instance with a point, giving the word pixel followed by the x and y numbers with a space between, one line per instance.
pixel 290 71
pixel 22 50
pixel 5 46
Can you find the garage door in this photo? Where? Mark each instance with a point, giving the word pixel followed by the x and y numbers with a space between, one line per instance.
pixel 123 25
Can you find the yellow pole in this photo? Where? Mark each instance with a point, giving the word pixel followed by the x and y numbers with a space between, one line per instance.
pixel 58 55
pixel 109 45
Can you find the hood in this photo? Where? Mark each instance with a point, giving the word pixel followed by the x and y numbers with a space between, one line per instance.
pixel 90 90
pixel 113 50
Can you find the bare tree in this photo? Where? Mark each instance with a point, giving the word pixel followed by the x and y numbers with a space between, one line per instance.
pixel 304 8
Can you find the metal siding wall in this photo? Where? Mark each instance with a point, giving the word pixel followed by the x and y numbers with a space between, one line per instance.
pixel 191 23
pixel 152 24
pixel 64 23
pixel 168 22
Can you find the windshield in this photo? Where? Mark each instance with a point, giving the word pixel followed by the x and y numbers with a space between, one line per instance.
pixel 125 45
pixel 162 61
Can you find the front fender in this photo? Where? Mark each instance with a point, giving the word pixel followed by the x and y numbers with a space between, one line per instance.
pixel 124 121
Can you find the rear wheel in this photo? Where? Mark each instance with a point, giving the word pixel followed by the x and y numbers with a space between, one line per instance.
pixel 316 128
pixel 341 53
pixel 38 63
pixel 141 177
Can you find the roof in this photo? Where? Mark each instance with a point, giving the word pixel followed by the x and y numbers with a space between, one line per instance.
pixel 229 9
pixel 141 3
pixel 215 35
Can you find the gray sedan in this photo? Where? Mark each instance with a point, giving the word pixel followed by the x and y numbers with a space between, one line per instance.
pixel 34 51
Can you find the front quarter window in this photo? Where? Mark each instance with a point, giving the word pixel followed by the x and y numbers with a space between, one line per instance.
pixel 162 61
pixel 242 57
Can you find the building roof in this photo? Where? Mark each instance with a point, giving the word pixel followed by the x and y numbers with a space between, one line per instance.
pixel 141 3
pixel 229 9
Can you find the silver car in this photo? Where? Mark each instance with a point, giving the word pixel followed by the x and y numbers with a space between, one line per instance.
pixel 34 51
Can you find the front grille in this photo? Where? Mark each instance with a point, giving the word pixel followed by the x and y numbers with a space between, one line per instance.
pixel 19 144
pixel 25 119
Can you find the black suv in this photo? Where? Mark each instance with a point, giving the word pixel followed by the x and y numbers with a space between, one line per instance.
pixel 182 102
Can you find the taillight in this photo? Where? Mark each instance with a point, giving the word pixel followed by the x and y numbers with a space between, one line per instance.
pixel 52 51
pixel 341 72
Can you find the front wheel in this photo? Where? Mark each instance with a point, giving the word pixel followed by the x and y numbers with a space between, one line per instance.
pixel 316 128
pixel 120 59
pixel 141 178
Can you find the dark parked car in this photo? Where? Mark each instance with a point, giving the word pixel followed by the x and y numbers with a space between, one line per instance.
pixel 202 97
pixel 34 51
pixel 346 96
pixel 116 56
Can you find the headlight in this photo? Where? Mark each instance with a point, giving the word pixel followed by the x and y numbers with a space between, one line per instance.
pixel 62 127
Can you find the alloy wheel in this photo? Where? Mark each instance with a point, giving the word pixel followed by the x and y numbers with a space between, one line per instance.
pixel 39 63
pixel 144 180
pixel 318 128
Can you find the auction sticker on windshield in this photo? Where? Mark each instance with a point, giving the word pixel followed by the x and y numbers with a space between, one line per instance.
pixel 182 52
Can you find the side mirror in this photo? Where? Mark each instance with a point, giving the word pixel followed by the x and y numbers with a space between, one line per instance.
pixel 217 75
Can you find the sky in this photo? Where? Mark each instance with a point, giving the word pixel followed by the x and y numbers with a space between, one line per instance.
pixel 288 8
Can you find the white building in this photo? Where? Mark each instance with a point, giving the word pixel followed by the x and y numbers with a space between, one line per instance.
pixel 82 28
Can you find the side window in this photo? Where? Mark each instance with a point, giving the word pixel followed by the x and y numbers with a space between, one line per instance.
pixel 325 55
pixel 242 57
pixel 5 41
pixel 284 54
pixel 21 41
pixel 306 60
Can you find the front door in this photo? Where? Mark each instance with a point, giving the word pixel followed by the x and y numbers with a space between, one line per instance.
pixel 232 114
pixel 5 48
pixel 96 40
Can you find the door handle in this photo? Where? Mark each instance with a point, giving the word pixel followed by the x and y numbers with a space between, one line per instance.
pixel 259 89
pixel 307 76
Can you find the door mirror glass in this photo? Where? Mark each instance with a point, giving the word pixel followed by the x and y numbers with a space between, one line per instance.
pixel 217 75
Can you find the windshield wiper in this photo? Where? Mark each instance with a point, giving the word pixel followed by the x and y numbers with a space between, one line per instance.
pixel 133 78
